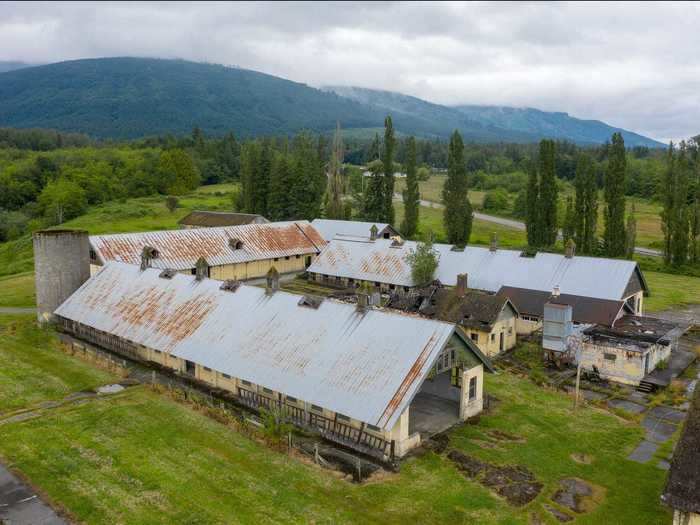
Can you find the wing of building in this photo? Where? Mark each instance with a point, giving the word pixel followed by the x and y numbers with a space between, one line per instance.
pixel 384 261
pixel 232 252
pixel 363 365
pixel 330 229
pixel 213 219
pixel 682 491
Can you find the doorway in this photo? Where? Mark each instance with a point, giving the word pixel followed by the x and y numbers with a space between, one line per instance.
pixel 190 368
pixel 501 343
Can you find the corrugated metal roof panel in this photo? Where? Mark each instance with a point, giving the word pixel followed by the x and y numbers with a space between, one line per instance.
pixel 212 219
pixel 180 249
pixel 379 261
pixel 329 228
pixel 365 365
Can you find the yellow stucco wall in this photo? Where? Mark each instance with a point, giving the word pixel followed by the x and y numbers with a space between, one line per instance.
pixel 255 269
pixel 489 341
pixel 685 518
pixel 627 367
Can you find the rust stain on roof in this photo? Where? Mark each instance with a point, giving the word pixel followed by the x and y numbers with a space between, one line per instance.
pixel 180 249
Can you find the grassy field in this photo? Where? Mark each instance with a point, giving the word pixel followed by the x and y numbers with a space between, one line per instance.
pixel 34 370
pixel 649 232
pixel 139 457
pixel 668 290
pixel 141 214
pixel 18 290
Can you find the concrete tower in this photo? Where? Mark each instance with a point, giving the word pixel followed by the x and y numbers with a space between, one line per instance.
pixel 61 266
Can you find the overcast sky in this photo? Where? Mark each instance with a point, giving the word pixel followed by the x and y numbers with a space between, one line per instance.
pixel 633 65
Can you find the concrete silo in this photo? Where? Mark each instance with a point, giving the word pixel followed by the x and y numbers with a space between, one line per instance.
pixel 61 266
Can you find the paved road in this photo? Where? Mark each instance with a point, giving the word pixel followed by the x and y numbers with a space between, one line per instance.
pixel 517 225
pixel 20 505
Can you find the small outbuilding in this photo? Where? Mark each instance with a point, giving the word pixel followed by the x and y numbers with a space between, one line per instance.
pixel 215 219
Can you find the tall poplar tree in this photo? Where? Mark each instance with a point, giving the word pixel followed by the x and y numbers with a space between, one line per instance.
pixel 532 217
pixel 279 204
pixel 388 160
pixel 630 234
pixel 411 195
pixel 569 227
pixel 586 205
pixel 334 199
pixel 668 190
pixel 548 193
pixel 681 216
pixel 614 235
pixel 458 210
pixel 374 194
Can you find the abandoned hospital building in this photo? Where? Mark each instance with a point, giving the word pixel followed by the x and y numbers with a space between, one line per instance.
pixel 378 371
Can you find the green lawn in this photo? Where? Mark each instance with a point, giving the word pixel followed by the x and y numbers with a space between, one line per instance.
pixel 18 290
pixel 138 457
pixel 431 190
pixel 33 369
pixel 669 290
pixel 140 214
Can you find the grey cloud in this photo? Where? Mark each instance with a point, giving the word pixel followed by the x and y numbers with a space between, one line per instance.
pixel 634 65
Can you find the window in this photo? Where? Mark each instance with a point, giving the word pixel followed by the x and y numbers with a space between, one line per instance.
pixel 475 337
pixel 510 330
pixel 392 287
pixel 246 383
pixel 342 417
pixel 316 408
pixel 374 428
pixel 377 284
pixel 286 258
pixel 226 376
pixel 207 369
pixel 493 337
pixel 157 351
pixel 267 390
pixel 173 357
pixel 472 388
pixel 93 255
pixel 277 259
pixel 291 399
pixel 298 256
pixel 610 357
pixel 351 281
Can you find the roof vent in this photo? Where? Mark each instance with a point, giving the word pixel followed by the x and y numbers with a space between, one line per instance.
pixel 373 231
pixel 168 273
pixel 310 301
pixel 148 253
pixel 235 244
pixel 230 285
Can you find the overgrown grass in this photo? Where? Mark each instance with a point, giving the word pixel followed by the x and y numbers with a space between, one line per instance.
pixel 140 214
pixel 668 291
pixel 18 290
pixel 33 369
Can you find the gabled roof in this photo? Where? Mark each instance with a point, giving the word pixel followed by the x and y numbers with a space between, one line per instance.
pixel 487 270
pixel 584 309
pixel 367 365
pixel 211 219
pixel 180 249
pixel 329 228
pixel 682 490
pixel 475 310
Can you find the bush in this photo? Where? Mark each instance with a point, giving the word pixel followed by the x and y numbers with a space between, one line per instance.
pixel 496 200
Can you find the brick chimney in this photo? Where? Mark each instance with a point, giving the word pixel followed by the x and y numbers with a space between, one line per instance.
pixel 570 249
pixel 461 287
pixel 494 242
pixel 362 301
pixel 272 283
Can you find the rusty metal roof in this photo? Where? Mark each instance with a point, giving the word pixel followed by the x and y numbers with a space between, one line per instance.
pixel 366 365
pixel 329 228
pixel 379 261
pixel 210 219
pixel 180 249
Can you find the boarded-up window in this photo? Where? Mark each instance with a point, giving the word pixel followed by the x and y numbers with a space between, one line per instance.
pixel 475 337
pixel 342 417
pixel 226 376
pixel 374 428
pixel 316 408
pixel 610 357
pixel 291 399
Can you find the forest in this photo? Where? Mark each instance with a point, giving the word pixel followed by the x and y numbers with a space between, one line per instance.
pixel 48 177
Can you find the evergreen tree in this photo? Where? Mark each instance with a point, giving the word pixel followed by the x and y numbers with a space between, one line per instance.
pixel 532 217
pixel 250 152
pixel 569 229
pixel 279 202
pixel 261 184
pixel 548 193
pixel 458 210
pixel 630 234
pixel 614 235
pixel 388 160
pixel 374 194
pixel 374 149
pixel 681 216
pixel 334 202
pixel 411 195
pixel 586 205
